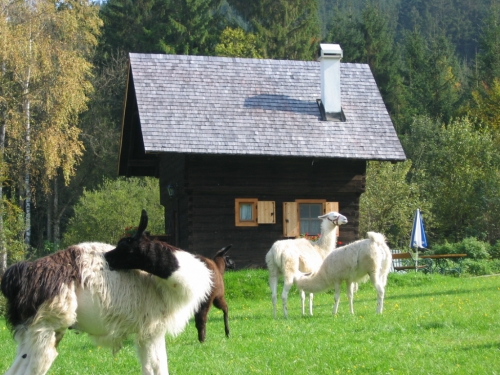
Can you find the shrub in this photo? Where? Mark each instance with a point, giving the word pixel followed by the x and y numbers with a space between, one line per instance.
pixel 474 248
pixel 495 250
pixel 477 267
pixel 471 246
pixel 105 213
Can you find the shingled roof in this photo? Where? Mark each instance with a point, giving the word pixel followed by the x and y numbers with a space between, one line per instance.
pixel 219 105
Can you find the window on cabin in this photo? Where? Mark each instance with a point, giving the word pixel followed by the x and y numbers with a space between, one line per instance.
pixel 309 222
pixel 250 212
pixel 301 217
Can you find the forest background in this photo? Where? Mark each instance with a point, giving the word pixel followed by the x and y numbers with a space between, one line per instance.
pixel 63 67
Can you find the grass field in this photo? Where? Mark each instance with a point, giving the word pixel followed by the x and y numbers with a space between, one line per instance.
pixel 432 324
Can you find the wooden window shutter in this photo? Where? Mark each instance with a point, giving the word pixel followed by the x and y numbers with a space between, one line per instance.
pixel 266 212
pixel 290 219
pixel 332 206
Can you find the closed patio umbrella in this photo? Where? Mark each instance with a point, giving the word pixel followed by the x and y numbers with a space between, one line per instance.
pixel 418 239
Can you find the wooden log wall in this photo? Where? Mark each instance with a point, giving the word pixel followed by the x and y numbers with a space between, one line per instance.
pixel 207 186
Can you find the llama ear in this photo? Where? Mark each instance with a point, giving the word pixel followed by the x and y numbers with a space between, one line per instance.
pixel 142 224
pixel 223 251
pixel 323 216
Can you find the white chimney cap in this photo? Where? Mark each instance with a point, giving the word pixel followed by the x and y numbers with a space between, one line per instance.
pixel 330 51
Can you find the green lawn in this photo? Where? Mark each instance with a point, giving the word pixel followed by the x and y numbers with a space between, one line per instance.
pixel 431 325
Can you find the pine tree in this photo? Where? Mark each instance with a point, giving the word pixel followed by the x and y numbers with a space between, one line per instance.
pixel 160 26
pixel 286 29
pixel 488 59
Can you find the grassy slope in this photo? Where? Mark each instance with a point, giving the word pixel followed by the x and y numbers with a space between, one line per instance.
pixel 431 325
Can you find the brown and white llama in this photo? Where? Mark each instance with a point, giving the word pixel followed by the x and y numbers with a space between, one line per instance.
pixel 76 288
pixel 217 265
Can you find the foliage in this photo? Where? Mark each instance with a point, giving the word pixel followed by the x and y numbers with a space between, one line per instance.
pixel 237 43
pixel 456 168
pixel 471 246
pixel 13 226
pixel 488 62
pixel 160 26
pixel 310 237
pixel 484 109
pixel 480 267
pixel 102 214
pixel 285 29
pixel 430 75
pixel 495 250
pixel 389 202
pixel 47 60
pixel 346 30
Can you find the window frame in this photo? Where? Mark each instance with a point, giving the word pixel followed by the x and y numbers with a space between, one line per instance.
pixel 237 218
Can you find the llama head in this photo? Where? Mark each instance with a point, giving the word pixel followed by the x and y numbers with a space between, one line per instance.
pixel 332 219
pixel 229 263
pixel 138 252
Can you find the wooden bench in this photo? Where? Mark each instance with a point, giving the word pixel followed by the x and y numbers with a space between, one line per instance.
pixel 405 261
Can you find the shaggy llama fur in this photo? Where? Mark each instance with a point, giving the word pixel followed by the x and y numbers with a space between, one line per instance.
pixel 288 257
pixel 352 263
pixel 75 288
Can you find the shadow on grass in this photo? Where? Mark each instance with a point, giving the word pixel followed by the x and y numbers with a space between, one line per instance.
pixel 492 345
pixel 440 293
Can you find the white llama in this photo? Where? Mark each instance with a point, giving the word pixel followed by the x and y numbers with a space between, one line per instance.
pixel 352 263
pixel 288 257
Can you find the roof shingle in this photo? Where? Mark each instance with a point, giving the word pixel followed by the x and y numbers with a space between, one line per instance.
pixel 220 105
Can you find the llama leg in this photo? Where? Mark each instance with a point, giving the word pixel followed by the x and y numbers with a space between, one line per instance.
pixel 303 300
pixel 350 292
pixel 378 283
pixel 40 350
pixel 221 304
pixel 273 285
pixel 311 298
pixel 20 361
pixel 153 355
pixel 200 319
pixel 284 295
pixel 337 298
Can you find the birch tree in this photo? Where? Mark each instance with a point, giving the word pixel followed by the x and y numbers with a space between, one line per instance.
pixel 47 60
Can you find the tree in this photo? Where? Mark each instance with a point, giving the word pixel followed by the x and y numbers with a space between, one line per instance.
pixel 430 75
pixel 346 30
pixel 286 29
pixel 456 168
pixel 484 108
pixel 237 43
pixel 390 201
pixel 104 214
pixel 488 61
pixel 48 46
pixel 160 26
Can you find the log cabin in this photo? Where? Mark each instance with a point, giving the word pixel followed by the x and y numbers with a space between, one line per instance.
pixel 249 151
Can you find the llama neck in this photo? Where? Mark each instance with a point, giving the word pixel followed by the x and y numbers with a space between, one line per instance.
pixel 312 284
pixel 221 264
pixel 159 260
pixel 328 240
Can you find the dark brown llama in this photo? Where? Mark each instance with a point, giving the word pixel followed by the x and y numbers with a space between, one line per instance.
pixel 218 265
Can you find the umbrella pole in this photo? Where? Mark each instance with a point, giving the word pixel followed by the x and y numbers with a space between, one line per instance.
pixel 416 259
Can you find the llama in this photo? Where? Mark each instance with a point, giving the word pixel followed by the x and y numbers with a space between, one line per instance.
pixel 218 265
pixel 76 288
pixel 352 263
pixel 287 257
